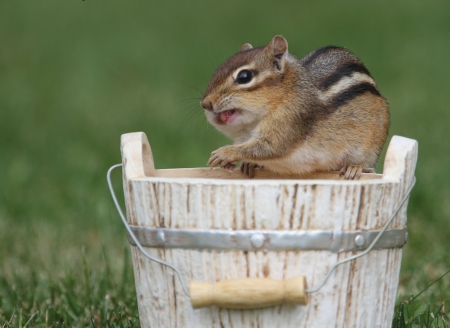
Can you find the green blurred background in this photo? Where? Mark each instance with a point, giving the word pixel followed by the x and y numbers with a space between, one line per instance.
pixel 75 75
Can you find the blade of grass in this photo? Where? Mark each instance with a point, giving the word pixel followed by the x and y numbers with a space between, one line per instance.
pixel 105 310
pixel 438 279
pixel 29 320
pixel 125 270
pixel 86 274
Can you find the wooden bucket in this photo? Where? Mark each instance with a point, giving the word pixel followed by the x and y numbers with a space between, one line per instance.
pixel 347 214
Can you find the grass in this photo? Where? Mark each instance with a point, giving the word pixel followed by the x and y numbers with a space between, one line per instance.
pixel 97 298
pixel 414 313
pixel 75 75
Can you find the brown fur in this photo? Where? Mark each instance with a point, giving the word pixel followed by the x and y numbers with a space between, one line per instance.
pixel 288 121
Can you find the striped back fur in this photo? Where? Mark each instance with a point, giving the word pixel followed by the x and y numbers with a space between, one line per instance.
pixel 338 74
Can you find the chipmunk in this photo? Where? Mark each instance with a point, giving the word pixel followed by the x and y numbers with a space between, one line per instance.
pixel 294 116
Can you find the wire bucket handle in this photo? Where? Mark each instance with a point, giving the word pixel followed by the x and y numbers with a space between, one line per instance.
pixel 250 292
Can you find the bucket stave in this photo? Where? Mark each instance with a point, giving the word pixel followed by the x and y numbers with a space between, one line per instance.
pixel 360 293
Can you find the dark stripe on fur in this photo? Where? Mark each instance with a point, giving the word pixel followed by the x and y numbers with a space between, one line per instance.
pixel 353 92
pixel 345 70
pixel 319 52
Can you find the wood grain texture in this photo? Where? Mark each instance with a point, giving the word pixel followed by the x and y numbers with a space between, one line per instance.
pixel 248 293
pixel 360 293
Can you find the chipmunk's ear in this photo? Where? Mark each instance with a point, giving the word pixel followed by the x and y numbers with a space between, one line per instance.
pixel 246 46
pixel 278 47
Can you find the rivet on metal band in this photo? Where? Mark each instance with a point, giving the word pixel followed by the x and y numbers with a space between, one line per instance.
pixel 270 240
pixel 334 243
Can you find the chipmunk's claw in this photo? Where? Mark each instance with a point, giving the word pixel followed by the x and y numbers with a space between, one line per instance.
pixel 248 169
pixel 353 172
pixel 368 170
pixel 230 167
pixel 223 157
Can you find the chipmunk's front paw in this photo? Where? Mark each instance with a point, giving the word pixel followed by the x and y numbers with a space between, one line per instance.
pixel 223 157
pixel 248 169
pixel 353 172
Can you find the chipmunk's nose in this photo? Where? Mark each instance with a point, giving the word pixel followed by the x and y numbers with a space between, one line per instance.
pixel 206 104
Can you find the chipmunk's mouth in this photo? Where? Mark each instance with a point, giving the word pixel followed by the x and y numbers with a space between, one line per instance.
pixel 227 116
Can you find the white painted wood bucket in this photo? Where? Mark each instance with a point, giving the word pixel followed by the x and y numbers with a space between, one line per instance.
pixel 360 293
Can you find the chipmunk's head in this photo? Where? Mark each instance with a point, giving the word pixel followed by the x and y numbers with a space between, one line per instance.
pixel 246 87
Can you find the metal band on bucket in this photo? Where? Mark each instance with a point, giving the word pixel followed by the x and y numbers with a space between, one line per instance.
pixel 358 240
pixel 271 240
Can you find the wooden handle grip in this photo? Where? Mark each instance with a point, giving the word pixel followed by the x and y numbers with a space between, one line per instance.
pixel 251 293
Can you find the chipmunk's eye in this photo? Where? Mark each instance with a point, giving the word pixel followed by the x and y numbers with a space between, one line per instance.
pixel 244 76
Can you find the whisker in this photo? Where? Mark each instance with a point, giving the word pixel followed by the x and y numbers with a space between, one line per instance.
pixel 193 111
pixel 190 107
pixel 193 88
pixel 189 99
pixel 196 118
